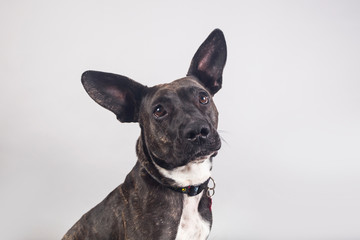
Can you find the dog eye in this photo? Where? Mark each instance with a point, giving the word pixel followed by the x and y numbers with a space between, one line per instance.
pixel 159 111
pixel 204 98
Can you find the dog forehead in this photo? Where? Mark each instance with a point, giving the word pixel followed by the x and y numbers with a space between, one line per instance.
pixel 186 82
pixel 173 88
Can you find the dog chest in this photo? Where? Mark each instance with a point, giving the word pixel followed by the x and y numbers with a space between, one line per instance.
pixel 192 225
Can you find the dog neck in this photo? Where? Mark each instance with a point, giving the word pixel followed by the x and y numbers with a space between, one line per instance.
pixel 194 173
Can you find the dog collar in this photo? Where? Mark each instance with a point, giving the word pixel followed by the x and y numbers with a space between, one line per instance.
pixel 197 189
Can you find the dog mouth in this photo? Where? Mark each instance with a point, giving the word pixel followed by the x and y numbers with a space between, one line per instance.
pixel 202 156
pixel 183 154
pixel 201 153
pixel 197 158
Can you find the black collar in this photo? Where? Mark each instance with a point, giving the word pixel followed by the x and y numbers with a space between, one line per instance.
pixel 192 190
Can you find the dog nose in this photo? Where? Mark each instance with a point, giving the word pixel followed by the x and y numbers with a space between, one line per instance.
pixel 196 131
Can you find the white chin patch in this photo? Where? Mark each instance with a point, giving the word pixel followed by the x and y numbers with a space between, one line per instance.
pixel 193 173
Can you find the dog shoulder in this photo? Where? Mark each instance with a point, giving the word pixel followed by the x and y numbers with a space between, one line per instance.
pixel 104 218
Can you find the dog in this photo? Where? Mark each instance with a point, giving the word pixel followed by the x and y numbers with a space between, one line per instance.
pixel 166 194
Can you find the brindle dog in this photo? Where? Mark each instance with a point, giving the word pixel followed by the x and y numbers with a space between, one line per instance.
pixel 165 196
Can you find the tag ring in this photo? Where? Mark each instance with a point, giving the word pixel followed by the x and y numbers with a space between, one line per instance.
pixel 211 190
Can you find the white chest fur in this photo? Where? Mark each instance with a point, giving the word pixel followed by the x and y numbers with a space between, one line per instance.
pixel 193 173
pixel 192 226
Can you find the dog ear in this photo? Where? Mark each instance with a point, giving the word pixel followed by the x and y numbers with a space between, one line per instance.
pixel 116 93
pixel 209 61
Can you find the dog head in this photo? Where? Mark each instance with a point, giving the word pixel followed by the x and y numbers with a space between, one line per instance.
pixel 178 119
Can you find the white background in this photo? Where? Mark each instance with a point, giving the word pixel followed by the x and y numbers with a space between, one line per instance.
pixel 289 110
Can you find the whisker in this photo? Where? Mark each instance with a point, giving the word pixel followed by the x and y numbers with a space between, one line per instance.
pixel 221 136
pixel 223 131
